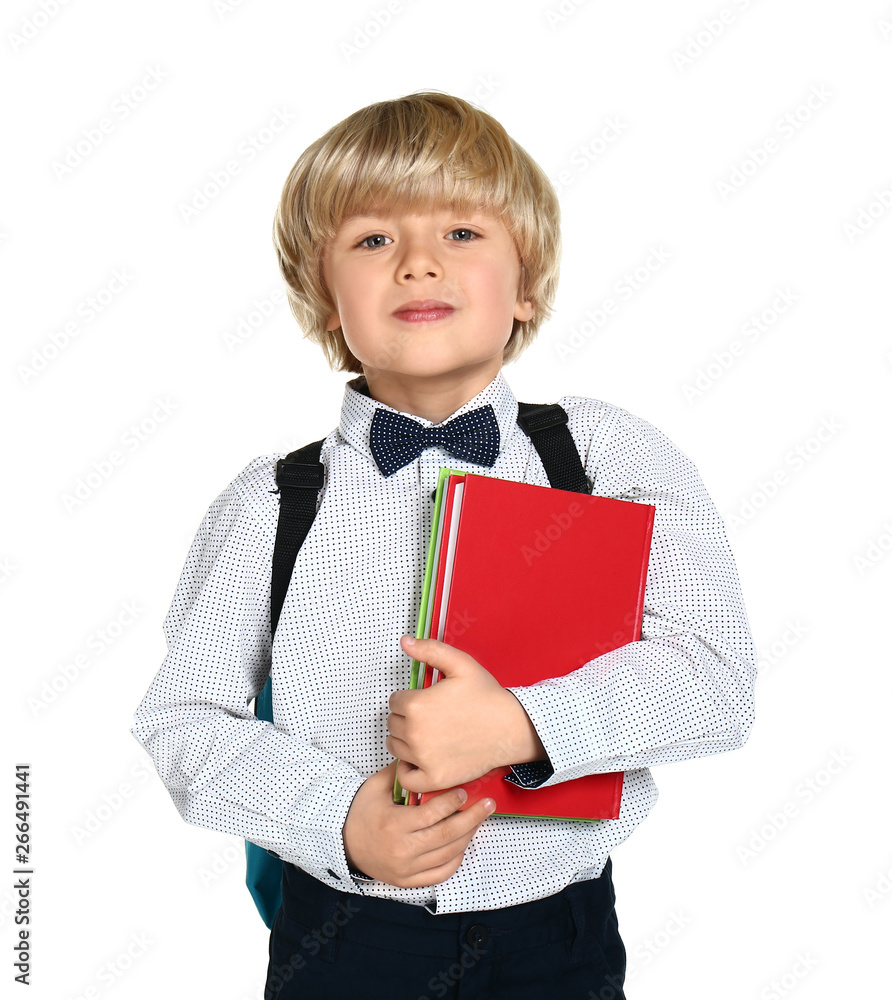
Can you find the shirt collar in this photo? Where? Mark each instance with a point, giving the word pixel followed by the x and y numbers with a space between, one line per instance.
pixel 358 409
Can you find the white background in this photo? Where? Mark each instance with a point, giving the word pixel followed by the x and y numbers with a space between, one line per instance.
pixel 760 874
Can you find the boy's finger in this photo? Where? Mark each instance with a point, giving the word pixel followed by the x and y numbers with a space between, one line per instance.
pixel 441 807
pixel 408 774
pixel 449 838
pixel 448 856
pixel 432 876
pixel 467 821
pixel 437 808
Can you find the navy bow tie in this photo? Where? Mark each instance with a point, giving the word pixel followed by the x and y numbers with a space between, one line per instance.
pixel 396 440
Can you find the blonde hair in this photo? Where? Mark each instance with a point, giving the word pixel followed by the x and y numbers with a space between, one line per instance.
pixel 418 151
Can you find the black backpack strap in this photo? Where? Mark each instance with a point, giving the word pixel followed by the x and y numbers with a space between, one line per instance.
pixel 546 426
pixel 299 477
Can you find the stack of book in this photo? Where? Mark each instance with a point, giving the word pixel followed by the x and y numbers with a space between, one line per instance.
pixel 533 582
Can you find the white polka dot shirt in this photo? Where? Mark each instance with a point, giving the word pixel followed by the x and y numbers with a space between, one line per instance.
pixel 685 690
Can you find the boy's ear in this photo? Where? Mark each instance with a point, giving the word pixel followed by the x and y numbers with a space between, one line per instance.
pixel 523 309
pixel 333 322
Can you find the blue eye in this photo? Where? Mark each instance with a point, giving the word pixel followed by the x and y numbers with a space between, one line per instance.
pixel 466 237
pixel 374 246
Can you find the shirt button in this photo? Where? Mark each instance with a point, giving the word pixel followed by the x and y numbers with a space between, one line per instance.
pixel 477 935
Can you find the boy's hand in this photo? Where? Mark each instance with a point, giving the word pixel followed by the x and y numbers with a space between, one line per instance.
pixel 409 846
pixel 459 728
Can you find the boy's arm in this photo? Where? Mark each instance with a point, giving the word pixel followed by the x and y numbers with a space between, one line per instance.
pixel 686 689
pixel 224 768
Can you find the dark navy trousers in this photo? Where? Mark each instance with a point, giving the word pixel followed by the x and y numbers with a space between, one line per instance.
pixel 344 946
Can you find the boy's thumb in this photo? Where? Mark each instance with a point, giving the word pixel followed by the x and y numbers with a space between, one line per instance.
pixel 437 654
pixel 419 649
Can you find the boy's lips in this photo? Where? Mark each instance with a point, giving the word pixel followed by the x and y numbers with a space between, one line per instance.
pixel 423 310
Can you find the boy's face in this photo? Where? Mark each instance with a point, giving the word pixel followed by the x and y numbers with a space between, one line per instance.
pixel 425 295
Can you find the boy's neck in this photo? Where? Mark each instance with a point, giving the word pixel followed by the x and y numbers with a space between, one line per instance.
pixel 434 397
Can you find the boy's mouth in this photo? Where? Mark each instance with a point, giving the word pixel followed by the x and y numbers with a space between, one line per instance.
pixel 423 310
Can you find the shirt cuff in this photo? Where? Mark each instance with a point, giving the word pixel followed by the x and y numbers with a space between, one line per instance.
pixel 530 775
pixel 359 876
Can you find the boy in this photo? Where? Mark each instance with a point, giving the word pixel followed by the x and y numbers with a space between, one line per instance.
pixel 420 248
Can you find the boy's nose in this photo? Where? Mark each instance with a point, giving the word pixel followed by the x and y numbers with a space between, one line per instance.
pixel 419 261
pixel 420 273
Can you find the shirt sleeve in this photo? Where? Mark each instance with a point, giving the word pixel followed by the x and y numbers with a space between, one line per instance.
pixel 686 688
pixel 224 768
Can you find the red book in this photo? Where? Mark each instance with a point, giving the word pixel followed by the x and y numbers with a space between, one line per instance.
pixel 534 582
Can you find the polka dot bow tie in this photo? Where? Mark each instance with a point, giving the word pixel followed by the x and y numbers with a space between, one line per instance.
pixel 396 440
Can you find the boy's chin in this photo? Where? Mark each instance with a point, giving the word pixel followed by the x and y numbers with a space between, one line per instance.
pixel 428 370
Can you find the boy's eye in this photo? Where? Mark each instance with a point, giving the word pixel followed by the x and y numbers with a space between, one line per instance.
pixel 463 235
pixel 373 242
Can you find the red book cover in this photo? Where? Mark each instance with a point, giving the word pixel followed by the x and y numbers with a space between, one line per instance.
pixel 544 580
